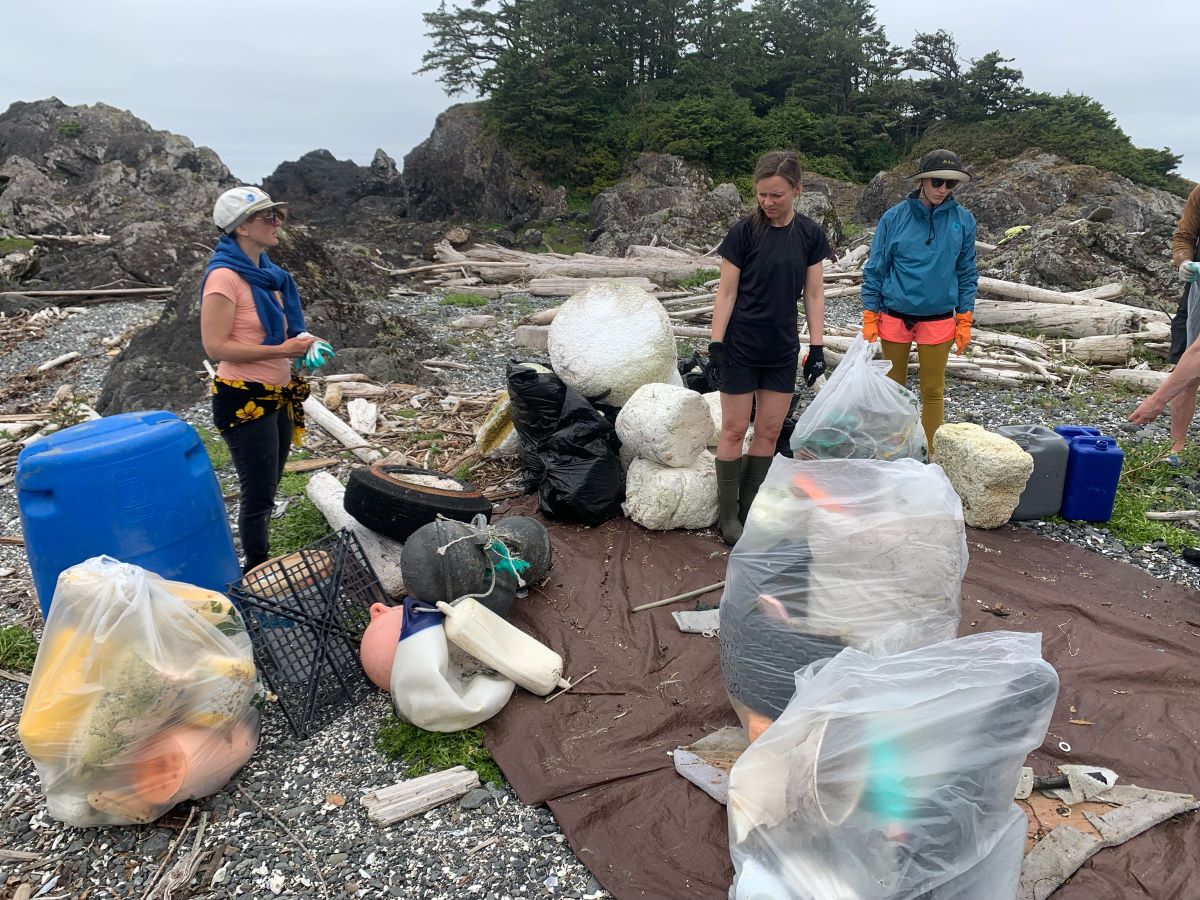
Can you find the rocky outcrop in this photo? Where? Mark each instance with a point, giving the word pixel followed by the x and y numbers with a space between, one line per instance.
pixel 66 169
pixel 163 365
pixel 333 194
pixel 1033 187
pixel 1070 256
pixel 462 173
pixel 667 200
pixel 663 199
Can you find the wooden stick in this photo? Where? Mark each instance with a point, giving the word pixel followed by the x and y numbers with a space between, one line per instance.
pixel 299 843
pixel 414 796
pixel 1175 515
pixel 677 598
pixel 58 361
pixel 354 441
pixel 570 686
pixel 107 292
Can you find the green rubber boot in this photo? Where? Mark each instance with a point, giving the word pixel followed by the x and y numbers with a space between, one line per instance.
pixel 729 484
pixel 754 470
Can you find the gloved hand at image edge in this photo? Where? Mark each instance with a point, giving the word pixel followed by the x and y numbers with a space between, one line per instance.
pixel 716 359
pixel 814 363
pixel 870 328
pixel 318 354
pixel 1189 272
pixel 962 331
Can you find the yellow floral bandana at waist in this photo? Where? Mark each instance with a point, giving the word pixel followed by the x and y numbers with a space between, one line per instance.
pixel 236 402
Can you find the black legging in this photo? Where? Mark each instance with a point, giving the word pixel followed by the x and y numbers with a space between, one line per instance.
pixel 259 450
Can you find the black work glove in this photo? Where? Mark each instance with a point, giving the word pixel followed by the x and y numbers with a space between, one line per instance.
pixel 814 364
pixel 716 359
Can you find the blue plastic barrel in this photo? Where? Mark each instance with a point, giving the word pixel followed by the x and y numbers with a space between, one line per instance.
pixel 137 487
pixel 1093 470
pixel 1069 432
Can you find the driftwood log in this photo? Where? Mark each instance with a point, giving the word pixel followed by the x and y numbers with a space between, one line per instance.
pixel 1062 320
pixel 1144 379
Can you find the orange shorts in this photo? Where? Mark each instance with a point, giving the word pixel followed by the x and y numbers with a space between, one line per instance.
pixel 936 331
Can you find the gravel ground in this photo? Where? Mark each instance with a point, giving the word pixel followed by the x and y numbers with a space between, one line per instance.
pixel 488 846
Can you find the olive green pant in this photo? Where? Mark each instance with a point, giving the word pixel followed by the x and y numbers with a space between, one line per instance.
pixel 932 360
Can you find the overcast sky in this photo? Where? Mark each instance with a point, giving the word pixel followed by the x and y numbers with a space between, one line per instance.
pixel 265 82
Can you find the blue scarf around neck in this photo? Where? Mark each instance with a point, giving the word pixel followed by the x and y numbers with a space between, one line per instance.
pixel 263 279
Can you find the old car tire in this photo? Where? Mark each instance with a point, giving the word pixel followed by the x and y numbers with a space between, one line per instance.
pixel 383 498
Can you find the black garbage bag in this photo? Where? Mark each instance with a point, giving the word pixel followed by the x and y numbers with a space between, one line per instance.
pixel 570 450
pixel 694 372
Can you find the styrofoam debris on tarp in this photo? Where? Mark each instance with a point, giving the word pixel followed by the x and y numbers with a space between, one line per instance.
pixel 665 424
pixel 611 338
pixel 662 498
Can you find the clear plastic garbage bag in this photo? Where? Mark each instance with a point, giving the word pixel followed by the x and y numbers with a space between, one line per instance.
pixel 861 413
pixel 838 553
pixel 893 778
pixel 144 694
pixel 435 685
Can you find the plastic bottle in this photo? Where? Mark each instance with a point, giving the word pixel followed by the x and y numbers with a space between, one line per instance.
pixel 507 649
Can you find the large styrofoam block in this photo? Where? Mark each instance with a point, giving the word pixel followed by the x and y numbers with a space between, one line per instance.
pixel 664 497
pixel 610 339
pixel 988 471
pixel 666 424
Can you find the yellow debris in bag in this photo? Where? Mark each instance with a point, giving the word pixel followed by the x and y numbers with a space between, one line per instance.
pixel 132 670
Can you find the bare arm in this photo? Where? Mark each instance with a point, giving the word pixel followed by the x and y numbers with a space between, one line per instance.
pixel 216 334
pixel 814 303
pixel 726 295
pixel 1185 377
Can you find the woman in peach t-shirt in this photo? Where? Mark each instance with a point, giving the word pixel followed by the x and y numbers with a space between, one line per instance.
pixel 251 322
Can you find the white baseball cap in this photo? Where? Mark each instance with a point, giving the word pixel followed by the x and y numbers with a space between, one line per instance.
pixel 238 204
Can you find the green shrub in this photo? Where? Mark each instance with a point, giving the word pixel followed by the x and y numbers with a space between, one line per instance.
pixel 699 278
pixel 1147 483
pixel 300 525
pixel 69 129
pixel 428 751
pixel 14 245
pixel 18 648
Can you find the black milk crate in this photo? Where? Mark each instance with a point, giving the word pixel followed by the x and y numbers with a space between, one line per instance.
pixel 306 613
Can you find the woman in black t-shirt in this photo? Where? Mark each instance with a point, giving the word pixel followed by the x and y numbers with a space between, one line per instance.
pixel 768 260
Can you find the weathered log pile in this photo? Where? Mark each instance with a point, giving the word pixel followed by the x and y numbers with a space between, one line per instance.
pixel 1023 333
pixel 491 270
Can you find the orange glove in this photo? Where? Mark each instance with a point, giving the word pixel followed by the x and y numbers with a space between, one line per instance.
pixel 962 331
pixel 870 329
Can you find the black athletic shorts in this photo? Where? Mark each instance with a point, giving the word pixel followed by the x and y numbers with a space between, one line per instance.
pixel 1179 331
pixel 740 379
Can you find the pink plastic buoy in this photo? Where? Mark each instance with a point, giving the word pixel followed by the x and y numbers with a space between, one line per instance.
pixel 379 641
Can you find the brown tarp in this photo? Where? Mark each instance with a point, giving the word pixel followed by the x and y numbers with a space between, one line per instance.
pixel 1126 653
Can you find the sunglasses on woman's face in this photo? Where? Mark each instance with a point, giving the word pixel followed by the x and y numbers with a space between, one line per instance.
pixel 272 217
pixel 943 182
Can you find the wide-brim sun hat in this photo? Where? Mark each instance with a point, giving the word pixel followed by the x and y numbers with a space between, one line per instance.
pixel 238 204
pixel 941 164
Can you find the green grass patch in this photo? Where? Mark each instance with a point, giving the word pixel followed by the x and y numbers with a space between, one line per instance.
pixel 699 278
pixel 69 129
pixel 14 245
pixel 218 450
pixel 300 525
pixel 429 751
pixel 18 648
pixel 1147 482
pixel 408 413
pixel 292 484
pixel 428 436
pixel 463 300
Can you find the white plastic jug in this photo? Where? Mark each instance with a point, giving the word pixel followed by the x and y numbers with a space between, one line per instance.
pixel 430 688
pixel 508 650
